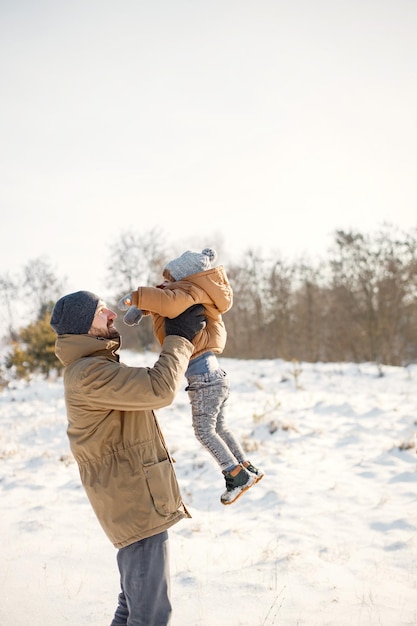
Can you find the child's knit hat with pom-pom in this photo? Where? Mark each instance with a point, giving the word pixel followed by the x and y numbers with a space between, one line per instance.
pixel 190 263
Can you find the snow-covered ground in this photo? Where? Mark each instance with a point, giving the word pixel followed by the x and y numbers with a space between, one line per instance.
pixel 327 538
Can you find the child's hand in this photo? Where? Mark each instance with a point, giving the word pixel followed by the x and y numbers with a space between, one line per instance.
pixel 133 316
pixel 125 302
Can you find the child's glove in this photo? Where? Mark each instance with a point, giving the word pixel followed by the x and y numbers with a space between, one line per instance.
pixel 125 302
pixel 133 315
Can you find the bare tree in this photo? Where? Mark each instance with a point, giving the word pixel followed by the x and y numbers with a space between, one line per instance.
pixel 309 302
pixel 8 299
pixel 41 284
pixel 137 259
pixel 278 314
pixel 375 279
pixel 246 319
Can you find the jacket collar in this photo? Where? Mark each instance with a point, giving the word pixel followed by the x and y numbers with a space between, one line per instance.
pixel 69 348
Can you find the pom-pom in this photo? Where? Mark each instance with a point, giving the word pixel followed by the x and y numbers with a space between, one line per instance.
pixel 210 253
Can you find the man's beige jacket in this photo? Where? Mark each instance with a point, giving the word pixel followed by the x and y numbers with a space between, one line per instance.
pixel 124 463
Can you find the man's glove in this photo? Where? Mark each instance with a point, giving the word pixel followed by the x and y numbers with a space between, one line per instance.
pixel 188 324
pixel 133 315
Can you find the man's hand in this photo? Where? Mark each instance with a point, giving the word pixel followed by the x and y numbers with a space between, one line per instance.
pixel 188 324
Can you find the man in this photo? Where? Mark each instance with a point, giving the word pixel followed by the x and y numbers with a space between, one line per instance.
pixel 124 464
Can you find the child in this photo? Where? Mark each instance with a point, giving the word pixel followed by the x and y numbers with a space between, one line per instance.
pixel 190 279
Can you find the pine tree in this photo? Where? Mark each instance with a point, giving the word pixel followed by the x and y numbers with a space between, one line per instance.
pixel 34 350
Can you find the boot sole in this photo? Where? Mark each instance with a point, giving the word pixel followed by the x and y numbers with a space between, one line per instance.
pixel 246 488
pixel 258 478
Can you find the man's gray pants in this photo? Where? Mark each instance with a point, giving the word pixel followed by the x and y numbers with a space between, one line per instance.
pixel 145 583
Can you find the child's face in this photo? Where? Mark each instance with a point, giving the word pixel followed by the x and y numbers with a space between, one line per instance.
pixel 168 278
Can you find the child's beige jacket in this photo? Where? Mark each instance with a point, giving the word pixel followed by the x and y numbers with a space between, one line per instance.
pixel 210 288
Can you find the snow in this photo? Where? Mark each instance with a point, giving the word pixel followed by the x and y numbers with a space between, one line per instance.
pixel 327 538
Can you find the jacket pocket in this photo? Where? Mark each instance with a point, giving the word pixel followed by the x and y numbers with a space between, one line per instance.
pixel 163 487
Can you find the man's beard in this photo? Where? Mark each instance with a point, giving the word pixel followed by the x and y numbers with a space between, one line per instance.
pixel 111 333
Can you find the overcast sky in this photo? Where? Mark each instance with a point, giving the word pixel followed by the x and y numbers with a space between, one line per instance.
pixel 270 122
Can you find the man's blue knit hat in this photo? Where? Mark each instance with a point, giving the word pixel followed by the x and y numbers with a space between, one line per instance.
pixel 73 314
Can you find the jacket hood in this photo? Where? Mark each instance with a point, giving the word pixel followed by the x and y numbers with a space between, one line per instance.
pixel 215 283
pixel 69 348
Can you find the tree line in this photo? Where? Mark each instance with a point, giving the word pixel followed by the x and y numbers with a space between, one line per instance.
pixel 359 304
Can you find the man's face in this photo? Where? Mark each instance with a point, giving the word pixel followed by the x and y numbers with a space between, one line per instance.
pixel 102 325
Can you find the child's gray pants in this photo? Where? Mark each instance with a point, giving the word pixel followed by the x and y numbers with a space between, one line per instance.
pixel 208 393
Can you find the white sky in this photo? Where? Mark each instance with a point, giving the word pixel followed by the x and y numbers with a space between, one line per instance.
pixel 270 122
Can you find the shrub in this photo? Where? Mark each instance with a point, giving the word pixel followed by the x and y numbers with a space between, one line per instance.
pixel 34 350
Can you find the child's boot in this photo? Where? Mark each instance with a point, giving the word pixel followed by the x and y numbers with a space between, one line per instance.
pixel 254 470
pixel 236 485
